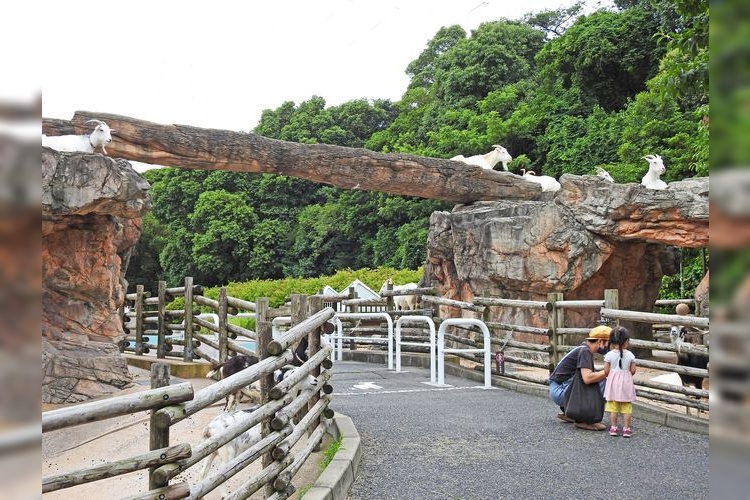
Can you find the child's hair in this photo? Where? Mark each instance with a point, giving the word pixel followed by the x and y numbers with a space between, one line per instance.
pixel 618 336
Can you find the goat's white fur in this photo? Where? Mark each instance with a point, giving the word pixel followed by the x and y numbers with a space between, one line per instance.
pixel 600 172
pixel 251 436
pixel 402 302
pixel 98 138
pixel 548 183
pixel 655 169
pixel 488 160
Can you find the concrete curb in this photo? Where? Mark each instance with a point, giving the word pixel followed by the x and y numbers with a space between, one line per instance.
pixel 334 482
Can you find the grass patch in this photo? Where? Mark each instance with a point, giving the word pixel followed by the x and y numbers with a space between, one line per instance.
pixel 303 490
pixel 330 452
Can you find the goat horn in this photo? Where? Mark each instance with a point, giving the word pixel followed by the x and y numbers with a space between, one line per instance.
pixel 648 157
pixel 95 121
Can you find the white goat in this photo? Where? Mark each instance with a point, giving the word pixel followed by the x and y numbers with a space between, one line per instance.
pixel 100 137
pixel 244 441
pixel 548 183
pixel 401 302
pixel 655 169
pixel 600 172
pixel 488 160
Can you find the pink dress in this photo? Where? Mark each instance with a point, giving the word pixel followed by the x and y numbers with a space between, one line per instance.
pixel 620 386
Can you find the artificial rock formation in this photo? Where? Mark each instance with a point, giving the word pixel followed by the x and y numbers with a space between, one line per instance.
pixel 589 236
pixel 91 209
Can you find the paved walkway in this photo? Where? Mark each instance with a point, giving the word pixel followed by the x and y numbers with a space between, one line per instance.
pixel 467 442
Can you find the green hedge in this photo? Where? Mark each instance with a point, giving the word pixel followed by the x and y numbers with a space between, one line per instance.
pixel 278 291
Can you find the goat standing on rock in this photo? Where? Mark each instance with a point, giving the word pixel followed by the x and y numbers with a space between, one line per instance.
pixel 100 137
pixel 655 170
pixel 488 160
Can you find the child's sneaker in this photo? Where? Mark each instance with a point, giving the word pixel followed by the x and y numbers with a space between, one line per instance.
pixel 613 431
pixel 626 432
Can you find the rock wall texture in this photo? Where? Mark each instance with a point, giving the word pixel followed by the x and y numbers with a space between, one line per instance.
pixel 91 214
pixel 589 236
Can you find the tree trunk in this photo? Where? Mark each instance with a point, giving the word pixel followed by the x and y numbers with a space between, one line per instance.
pixel 189 147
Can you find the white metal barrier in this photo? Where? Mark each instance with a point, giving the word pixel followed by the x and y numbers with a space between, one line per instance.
pixel 441 350
pixel 416 319
pixel 339 337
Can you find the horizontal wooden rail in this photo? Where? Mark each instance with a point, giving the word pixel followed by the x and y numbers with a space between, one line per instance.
pixel 408 291
pixel 117 468
pixel 528 304
pixel 579 304
pixel 364 302
pixel 171 492
pixel 298 331
pixel 644 317
pixel 519 328
pixel 116 407
pixel 245 305
pixel 467 306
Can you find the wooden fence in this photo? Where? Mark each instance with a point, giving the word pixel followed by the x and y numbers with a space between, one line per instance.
pixel 522 359
pixel 172 404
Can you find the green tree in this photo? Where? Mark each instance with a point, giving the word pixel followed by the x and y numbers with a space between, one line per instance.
pixel 554 22
pixel 608 55
pixel 222 226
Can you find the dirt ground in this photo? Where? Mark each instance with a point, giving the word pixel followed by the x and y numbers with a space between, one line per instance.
pixel 94 444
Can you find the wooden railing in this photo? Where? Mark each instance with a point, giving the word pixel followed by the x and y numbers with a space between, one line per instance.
pixel 522 345
pixel 170 404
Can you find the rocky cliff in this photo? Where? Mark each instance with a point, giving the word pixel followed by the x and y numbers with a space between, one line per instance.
pixel 91 210
pixel 589 236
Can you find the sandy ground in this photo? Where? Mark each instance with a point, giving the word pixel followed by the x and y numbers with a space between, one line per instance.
pixel 94 444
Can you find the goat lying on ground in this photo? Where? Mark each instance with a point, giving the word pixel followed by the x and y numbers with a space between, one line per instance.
pixel 488 160
pixel 229 368
pixel 600 172
pixel 548 183
pixel 401 302
pixel 100 137
pixel 244 441
pixel 655 169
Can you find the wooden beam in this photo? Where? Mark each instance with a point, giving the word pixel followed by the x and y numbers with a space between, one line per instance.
pixel 189 147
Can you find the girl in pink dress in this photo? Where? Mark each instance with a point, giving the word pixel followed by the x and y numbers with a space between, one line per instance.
pixel 619 366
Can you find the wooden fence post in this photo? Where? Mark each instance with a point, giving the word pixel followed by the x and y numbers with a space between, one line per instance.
pixel 264 337
pixel 389 302
pixel 161 344
pixel 187 349
pixel 139 320
pixel 313 346
pixel 223 320
pixel 299 308
pixel 556 320
pixel 158 438
pixel 612 301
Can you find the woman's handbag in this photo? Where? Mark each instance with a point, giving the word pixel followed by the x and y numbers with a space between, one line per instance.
pixel 584 402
